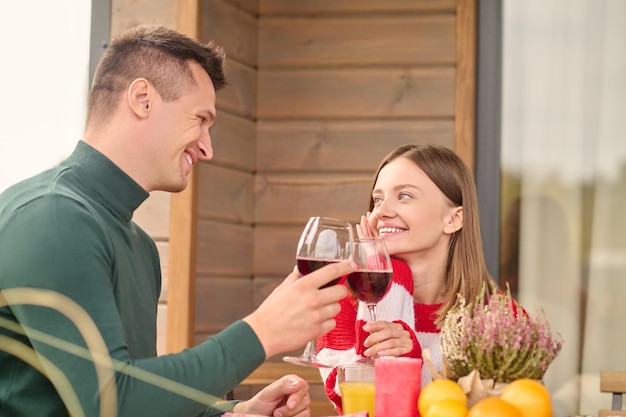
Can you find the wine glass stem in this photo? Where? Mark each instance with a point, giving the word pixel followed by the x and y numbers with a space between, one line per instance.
pixel 372 310
pixel 310 349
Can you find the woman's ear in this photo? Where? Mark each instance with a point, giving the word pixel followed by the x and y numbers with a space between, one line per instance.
pixel 454 221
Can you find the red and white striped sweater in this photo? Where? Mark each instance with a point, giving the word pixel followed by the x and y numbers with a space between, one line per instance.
pixel 344 344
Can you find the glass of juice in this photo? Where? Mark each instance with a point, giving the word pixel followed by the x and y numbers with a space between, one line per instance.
pixel 356 383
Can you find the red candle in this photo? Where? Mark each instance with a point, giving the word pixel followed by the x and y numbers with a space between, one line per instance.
pixel 397 382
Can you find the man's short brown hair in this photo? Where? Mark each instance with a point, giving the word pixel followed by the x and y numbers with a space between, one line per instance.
pixel 158 54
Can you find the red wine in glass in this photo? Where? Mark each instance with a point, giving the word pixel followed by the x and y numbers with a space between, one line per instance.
pixel 369 286
pixel 372 279
pixel 323 241
pixel 306 266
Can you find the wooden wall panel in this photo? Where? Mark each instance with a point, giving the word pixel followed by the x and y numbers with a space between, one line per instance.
pixel 325 146
pixel 329 89
pixel 230 25
pixel 399 40
pixel 291 199
pixel 128 13
pixel 248 6
pixel 226 183
pixel 233 140
pixel 153 215
pixel 275 250
pixel 232 28
pixel 225 194
pixel 240 95
pixel 220 302
pixel 356 93
pixel 340 84
pixel 284 7
pixel 223 249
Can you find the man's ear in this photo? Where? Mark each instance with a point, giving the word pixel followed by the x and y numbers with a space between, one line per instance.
pixel 454 222
pixel 139 97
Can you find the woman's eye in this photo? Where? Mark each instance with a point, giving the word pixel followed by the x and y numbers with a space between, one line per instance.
pixel 376 200
pixel 404 196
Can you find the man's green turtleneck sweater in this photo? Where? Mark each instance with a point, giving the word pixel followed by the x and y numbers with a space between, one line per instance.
pixel 70 230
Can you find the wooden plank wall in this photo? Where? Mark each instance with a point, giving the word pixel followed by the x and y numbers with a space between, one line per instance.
pixel 341 83
pixel 224 250
pixel 319 92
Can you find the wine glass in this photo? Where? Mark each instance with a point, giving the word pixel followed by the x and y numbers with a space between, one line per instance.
pixel 372 278
pixel 323 241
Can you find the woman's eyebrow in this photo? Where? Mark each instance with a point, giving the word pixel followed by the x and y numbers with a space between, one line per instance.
pixel 397 187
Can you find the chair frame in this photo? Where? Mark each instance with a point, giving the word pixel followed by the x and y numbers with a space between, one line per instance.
pixel 613 382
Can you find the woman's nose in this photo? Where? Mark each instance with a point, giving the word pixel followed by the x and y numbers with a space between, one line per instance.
pixel 384 209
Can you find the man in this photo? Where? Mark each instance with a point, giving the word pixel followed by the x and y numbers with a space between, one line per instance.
pixel 69 230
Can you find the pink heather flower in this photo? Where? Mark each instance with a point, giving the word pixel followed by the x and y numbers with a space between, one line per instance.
pixel 498 338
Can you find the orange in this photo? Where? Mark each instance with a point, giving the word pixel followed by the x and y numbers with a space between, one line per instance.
pixel 493 407
pixel 530 397
pixel 446 408
pixel 439 390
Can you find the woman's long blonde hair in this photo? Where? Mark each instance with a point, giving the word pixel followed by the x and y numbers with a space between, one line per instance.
pixel 466 270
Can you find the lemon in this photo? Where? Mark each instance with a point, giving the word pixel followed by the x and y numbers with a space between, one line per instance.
pixel 439 390
pixel 530 397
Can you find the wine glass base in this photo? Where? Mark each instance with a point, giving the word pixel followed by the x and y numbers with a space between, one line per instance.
pixel 306 361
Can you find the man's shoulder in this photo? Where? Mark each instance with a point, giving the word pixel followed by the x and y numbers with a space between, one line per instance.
pixel 44 195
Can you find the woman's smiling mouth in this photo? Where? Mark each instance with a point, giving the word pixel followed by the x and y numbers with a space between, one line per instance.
pixel 390 230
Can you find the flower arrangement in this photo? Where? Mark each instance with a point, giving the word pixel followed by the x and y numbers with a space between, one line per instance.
pixel 496 337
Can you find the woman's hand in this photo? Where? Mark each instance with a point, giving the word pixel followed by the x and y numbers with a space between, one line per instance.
pixel 286 397
pixel 364 229
pixel 387 339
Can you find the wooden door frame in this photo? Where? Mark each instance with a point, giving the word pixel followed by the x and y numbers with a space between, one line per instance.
pixel 465 86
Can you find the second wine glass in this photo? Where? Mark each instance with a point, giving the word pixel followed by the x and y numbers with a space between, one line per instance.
pixel 324 240
pixel 372 279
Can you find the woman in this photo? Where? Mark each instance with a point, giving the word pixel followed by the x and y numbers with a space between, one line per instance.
pixel 424 204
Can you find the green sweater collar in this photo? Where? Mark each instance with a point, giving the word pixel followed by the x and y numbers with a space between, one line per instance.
pixel 113 187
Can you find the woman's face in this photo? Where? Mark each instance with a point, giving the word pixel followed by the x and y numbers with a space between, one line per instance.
pixel 410 212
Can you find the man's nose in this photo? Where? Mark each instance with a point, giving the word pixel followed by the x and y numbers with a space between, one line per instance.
pixel 205 147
